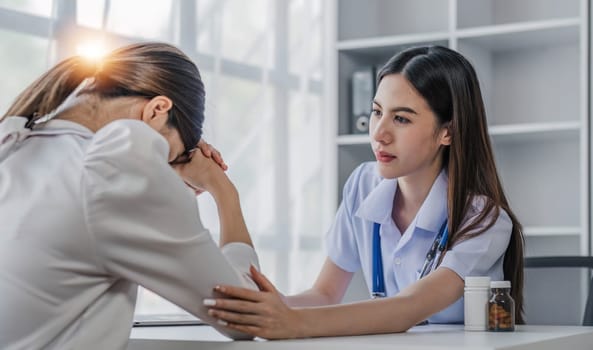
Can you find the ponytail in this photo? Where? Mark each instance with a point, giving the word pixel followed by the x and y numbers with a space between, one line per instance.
pixel 47 92
pixel 145 70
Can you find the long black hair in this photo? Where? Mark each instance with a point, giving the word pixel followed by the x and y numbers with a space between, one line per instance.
pixel 449 84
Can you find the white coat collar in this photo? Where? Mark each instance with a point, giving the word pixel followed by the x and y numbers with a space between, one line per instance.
pixel 13 132
pixel 433 211
pixel 378 205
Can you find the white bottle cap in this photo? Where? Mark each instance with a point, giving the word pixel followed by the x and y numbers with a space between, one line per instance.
pixel 500 284
pixel 477 281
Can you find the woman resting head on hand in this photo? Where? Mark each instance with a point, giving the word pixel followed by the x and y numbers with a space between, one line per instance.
pixel 95 164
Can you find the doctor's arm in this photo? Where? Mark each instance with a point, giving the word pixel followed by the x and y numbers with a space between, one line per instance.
pixel 263 314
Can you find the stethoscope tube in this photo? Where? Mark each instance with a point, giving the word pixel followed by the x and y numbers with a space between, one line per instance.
pixel 378 279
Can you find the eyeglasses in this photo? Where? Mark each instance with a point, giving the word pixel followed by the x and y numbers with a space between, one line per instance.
pixel 183 158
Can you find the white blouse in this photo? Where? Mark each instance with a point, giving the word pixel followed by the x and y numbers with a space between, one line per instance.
pixel 87 217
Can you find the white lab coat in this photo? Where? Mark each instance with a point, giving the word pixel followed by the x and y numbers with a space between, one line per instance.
pixel 368 199
pixel 84 219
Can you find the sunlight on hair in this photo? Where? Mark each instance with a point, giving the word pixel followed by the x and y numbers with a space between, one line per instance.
pixel 93 50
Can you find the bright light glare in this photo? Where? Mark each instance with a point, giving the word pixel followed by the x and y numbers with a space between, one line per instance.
pixel 92 50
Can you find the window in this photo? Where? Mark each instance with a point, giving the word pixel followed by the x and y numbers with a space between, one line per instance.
pixel 35 7
pixel 17 76
pixel 261 62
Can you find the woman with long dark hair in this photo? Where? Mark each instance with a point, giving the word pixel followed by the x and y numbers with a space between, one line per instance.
pixel 434 188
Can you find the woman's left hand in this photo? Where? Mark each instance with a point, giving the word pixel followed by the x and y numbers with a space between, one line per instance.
pixel 262 314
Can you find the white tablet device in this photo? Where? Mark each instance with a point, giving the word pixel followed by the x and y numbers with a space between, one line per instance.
pixel 180 319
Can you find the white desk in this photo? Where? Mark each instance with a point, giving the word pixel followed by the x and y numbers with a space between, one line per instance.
pixel 432 337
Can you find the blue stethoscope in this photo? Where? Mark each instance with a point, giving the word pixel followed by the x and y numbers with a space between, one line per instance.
pixel 438 245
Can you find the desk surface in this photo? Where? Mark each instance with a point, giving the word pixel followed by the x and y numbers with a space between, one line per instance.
pixel 432 337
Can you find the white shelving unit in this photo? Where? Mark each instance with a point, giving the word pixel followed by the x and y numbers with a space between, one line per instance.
pixel 531 57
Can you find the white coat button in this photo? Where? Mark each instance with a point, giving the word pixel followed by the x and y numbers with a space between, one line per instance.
pixel 397 261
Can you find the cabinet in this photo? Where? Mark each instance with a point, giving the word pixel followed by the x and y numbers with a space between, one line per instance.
pixel 531 57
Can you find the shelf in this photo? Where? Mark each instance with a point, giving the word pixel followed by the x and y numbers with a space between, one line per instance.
pixel 386 42
pixel 522 35
pixel 473 13
pixel 534 131
pixel 362 139
pixel 507 132
pixel 551 231
pixel 521 85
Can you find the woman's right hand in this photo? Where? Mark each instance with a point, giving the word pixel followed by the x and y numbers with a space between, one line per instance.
pixel 202 173
pixel 200 183
pixel 211 152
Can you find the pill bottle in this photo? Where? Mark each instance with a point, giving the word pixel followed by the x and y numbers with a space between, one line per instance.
pixel 475 296
pixel 501 307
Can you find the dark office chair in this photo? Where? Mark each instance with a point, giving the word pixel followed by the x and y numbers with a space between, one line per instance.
pixel 569 262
